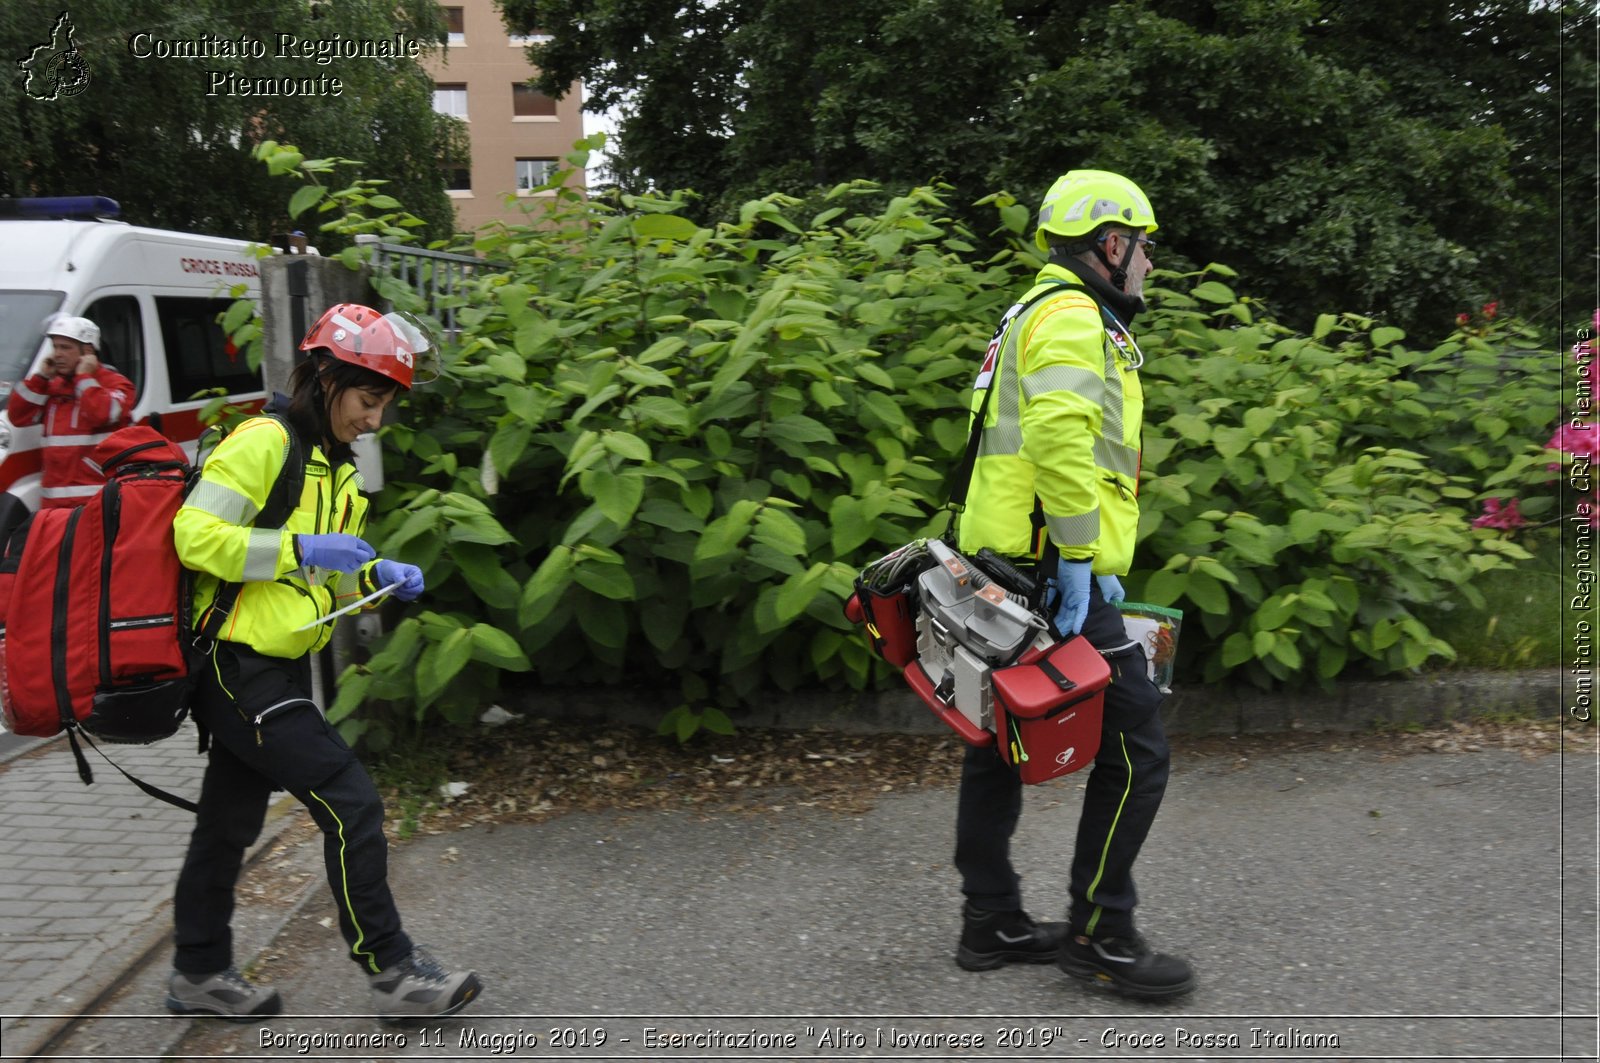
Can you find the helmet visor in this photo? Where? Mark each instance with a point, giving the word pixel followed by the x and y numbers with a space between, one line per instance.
pixel 413 333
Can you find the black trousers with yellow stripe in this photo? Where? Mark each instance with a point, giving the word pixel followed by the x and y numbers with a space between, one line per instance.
pixel 266 735
pixel 1121 797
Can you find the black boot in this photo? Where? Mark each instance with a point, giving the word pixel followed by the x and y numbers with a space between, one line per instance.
pixel 990 939
pixel 1126 965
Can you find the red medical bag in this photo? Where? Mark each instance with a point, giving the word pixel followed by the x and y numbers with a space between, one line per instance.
pixel 1047 709
pixel 96 625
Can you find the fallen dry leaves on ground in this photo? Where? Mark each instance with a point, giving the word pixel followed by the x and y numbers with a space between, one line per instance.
pixel 533 769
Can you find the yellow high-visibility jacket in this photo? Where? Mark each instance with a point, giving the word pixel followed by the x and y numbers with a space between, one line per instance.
pixel 1062 427
pixel 213 536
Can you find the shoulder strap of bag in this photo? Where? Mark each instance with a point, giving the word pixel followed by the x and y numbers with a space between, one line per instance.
pixel 87 776
pixel 285 493
pixel 969 460
pixel 282 498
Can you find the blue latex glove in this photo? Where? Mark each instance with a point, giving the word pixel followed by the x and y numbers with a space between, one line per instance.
pixel 334 550
pixel 1072 582
pixel 1111 589
pixel 408 576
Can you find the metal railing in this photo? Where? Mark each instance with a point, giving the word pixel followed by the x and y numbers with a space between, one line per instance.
pixel 436 276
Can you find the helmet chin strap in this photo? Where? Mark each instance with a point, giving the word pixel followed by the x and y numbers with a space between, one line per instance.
pixel 1119 273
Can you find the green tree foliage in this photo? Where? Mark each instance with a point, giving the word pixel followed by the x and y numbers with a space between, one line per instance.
pixel 1386 158
pixel 146 132
pixel 1528 69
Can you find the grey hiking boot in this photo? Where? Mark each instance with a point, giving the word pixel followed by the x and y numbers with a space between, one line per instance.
pixel 226 993
pixel 419 987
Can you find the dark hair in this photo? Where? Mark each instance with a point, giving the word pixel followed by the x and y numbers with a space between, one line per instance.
pixel 313 387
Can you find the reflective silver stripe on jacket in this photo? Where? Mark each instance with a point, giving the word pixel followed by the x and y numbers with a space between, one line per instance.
pixel 92 440
pixel 261 556
pixel 1064 378
pixel 1005 435
pixel 1116 457
pixel 1080 530
pixel 224 503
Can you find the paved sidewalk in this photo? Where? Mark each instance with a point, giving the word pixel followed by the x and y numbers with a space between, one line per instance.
pixel 1422 906
pixel 86 873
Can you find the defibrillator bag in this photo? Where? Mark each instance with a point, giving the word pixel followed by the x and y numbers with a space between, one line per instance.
pixel 1048 707
pixel 966 626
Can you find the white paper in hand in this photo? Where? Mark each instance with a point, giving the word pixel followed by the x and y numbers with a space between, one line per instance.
pixel 379 593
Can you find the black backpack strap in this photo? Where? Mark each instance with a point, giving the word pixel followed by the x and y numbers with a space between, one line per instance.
pixel 962 478
pixel 88 776
pixel 285 493
pixel 282 498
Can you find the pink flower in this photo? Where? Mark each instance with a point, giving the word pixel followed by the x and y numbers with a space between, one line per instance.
pixel 1504 517
pixel 1463 320
pixel 1574 440
pixel 1491 309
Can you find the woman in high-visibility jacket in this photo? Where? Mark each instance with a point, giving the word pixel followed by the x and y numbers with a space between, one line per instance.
pixel 253 694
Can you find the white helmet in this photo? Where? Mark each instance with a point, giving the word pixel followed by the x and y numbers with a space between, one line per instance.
pixel 74 328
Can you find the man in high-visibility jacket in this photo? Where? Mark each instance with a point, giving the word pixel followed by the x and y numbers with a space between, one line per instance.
pixel 1055 490
pixel 80 400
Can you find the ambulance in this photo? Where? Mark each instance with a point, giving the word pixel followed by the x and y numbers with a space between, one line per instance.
pixel 156 296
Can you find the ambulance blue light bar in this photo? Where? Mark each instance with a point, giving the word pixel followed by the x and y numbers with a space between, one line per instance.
pixel 60 207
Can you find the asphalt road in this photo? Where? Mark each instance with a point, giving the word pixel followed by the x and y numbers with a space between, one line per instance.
pixel 1337 903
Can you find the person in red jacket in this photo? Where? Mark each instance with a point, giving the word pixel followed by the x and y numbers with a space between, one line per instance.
pixel 80 401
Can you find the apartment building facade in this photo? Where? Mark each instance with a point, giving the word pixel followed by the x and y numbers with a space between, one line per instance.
pixel 518 135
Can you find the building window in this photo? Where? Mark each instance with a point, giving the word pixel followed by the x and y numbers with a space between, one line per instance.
pixel 458 178
pixel 534 173
pixel 529 102
pixel 525 39
pixel 455 20
pixel 450 100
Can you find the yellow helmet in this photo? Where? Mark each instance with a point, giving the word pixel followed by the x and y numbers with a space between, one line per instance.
pixel 1083 200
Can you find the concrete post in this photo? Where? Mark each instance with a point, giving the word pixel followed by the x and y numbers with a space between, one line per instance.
pixel 295 290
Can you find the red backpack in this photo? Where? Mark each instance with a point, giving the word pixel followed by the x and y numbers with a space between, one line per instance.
pixel 95 625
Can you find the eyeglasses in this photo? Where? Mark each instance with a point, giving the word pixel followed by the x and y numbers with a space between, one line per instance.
pixel 1143 241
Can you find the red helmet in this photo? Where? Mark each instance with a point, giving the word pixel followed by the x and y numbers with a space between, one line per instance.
pixel 387 344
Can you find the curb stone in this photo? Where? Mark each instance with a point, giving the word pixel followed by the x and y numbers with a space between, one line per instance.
pixel 1203 710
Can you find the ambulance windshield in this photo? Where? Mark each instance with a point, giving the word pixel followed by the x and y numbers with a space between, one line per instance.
pixel 22 318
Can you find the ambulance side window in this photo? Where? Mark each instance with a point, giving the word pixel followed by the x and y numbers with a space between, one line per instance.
pixel 121 336
pixel 199 353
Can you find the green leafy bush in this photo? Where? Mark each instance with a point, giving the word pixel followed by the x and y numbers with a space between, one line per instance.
pixel 1308 494
pixel 661 451
pixel 691 439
